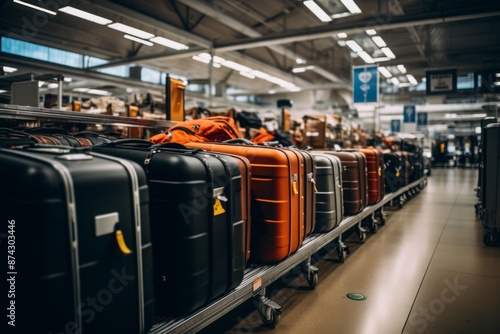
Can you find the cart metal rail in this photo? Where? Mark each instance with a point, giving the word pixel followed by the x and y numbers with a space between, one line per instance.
pixel 257 278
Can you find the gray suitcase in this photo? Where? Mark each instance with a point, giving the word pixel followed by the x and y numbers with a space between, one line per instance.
pixel 329 195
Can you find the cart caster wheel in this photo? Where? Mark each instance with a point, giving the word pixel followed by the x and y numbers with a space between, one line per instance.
pixel 382 217
pixel 374 226
pixel 400 205
pixel 490 239
pixel 362 237
pixel 270 316
pixel 313 280
pixel 342 254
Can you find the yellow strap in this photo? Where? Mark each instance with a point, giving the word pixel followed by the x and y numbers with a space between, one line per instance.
pixel 380 171
pixel 397 173
pixel 315 188
pixel 121 242
pixel 295 190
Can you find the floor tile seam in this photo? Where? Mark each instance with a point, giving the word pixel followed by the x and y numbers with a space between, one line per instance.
pixel 427 269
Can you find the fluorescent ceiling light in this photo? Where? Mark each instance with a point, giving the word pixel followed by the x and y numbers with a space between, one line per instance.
pixel 341 43
pixel 218 59
pixel 203 60
pixel 395 81
pixel 497 75
pixel 351 6
pixel 342 35
pixel 298 69
pixel 85 15
pixel 135 39
pixel 52 85
pixel 8 69
pixel 80 90
pixel 216 65
pixel 260 74
pixel 41 83
pixel 98 92
pixel 405 84
pixel 412 79
pixel 35 7
pixel 496 83
pixel 169 43
pixel 205 55
pixel 402 68
pixel 379 41
pixel 371 32
pixel 388 53
pixel 272 91
pixel 300 61
pixel 385 72
pixel 131 31
pixel 316 10
pixel 294 89
pixel 235 66
pixel 340 15
pixel 248 75
pixel 68 79
pixel 354 46
pixel 366 57
pixel 2 91
pixel 379 59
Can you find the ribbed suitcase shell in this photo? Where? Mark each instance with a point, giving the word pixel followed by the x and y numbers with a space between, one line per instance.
pixel 354 180
pixel 198 255
pixel 277 206
pixel 70 270
pixel 375 168
pixel 329 197
pixel 393 172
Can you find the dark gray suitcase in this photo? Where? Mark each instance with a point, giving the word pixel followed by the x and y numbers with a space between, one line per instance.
pixel 491 184
pixel 482 158
pixel 197 205
pixel 329 195
pixel 78 238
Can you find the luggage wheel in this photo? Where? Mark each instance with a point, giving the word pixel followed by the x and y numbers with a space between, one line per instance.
pixel 401 202
pixel 342 251
pixel 491 239
pixel 310 273
pixel 373 224
pixel 361 234
pixel 269 311
pixel 382 217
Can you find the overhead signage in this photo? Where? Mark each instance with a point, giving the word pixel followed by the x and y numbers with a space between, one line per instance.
pixel 441 82
pixel 365 81
pixel 395 125
pixel 409 114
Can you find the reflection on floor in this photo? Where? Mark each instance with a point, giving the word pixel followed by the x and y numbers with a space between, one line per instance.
pixel 425 271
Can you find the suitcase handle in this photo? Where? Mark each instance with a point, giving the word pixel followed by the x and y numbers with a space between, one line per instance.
pixel 239 141
pixel 121 242
pixel 129 141
pixel 177 146
pixel 271 143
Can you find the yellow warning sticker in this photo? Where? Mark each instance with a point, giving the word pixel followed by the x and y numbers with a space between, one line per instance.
pixel 218 209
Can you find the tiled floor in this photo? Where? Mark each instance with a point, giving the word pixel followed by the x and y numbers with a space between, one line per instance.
pixel 425 271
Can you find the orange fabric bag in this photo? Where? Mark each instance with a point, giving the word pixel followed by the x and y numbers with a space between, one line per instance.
pixel 210 129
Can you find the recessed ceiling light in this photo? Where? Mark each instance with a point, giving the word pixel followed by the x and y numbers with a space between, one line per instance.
pixel 351 6
pixel 379 41
pixel 8 69
pixel 395 81
pixel 316 10
pixel 385 72
pixel 342 35
pixel 388 53
pixel 366 57
pixel 402 68
pixel 371 32
pixel 412 79
pixel 354 46
pixel 248 75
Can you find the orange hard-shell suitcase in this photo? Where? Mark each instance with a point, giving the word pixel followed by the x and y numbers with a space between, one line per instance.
pixel 375 167
pixel 277 207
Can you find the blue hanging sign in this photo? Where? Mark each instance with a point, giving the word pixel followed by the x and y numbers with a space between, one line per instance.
pixel 395 125
pixel 365 84
pixel 409 114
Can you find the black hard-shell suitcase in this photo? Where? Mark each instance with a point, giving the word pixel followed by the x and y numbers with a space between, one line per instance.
pixel 394 178
pixel 482 147
pixel 491 184
pixel 78 241
pixel 329 196
pixel 199 236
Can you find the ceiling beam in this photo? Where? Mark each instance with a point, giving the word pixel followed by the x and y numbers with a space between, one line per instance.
pixel 237 25
pixel 349 28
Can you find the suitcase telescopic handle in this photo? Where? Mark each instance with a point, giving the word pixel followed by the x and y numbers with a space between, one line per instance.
pixel 128 141
pixel 239 141
pixel 178 146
